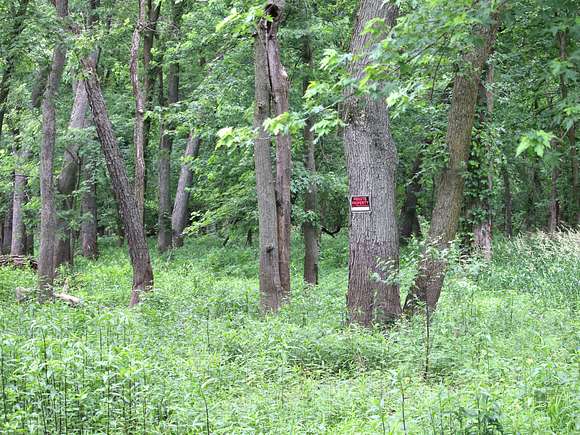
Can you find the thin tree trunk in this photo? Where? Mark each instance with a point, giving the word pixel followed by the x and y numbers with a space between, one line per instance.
pixel 554 207
pixel 18 242
pixel 47 214
pixel 507 201
pixel 371 159
pixel 449 195
pixel 310 227
pixel 180 215
pixel 12 56
pixel 132 219
pixel 138 131
pixel 164 240
pixel 90 247
pixel 271 291
pixel 409 220
pixel 7 228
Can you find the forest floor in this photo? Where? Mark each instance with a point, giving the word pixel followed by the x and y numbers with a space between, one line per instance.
pixel 197 356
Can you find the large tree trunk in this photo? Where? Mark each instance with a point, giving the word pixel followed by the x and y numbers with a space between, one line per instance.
pixel 449 195
pixel 409 221
pixel 271 291
pixel 310 227
pixel 138 131
pixel 47 213
pixel 164 239
pixel 371 158
pixel 90 248
pixel 18 242
pixel 179 217
pixel 12 56
pixel 125 197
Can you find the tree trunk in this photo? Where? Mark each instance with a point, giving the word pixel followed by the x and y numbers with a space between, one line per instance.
pixel 138 131
pixel 180 215
pixel 409 220
pixel 89 244
pixel 164 240
pixel 449 195
pixel 271 291
pixel 7 228
pixel 18 242
pixel 371 159
pixel 507 201
pixel 47 214
pixel 10 62
pixel 310 227
pixel 483 231
pixel 554 212
pixel 125 197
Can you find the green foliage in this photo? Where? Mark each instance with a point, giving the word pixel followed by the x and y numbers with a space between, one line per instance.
pixel 503 354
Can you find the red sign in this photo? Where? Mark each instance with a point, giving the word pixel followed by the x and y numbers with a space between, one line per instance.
pixel 360 204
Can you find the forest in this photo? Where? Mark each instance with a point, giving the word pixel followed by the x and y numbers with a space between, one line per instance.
pixel 289 217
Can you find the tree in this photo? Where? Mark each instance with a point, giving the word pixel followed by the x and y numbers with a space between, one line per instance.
pixel 274 207
pixel 125 197
pixel 449 190
pixel 179 216
pixel 164 239
pixel 47 216
pixel 371 159
pixel 310 227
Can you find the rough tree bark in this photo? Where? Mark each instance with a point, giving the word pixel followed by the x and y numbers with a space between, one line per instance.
pixel 164 239
pixel 310 228
pixel 47 213
pixel 371 159
pixel 449 190
pixel 271 290
pixel 179 217
pixel 409 221
pixel 125 197
pixel 138 131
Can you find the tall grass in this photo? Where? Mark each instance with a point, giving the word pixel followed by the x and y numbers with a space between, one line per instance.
pixel 198 357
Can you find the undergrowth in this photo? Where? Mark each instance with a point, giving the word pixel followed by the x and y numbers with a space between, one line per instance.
pixel 198 357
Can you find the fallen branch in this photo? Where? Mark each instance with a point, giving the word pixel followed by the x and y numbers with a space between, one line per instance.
pixel 18 261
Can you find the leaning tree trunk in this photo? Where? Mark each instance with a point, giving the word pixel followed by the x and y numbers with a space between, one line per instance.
pixel 179 217
pixel 18 242
pixel 90 248
pixel 125 197
pixel 371 159
pixel 164 239
pixel 47 213
pixel 138 131
pixel 310 227
pixel 449 191
pixel 271 291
